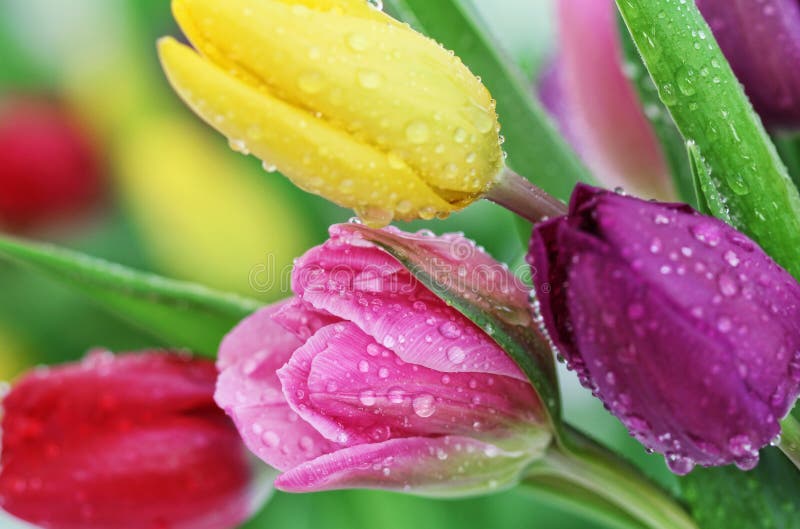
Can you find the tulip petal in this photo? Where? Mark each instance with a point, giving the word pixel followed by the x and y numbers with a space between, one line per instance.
pixel 313 154
pixel 125 442
pixel 355 280
pixel 746 299
pixel 762 43
pixel 373 78
pixel 249 391
pixel 599 105
pixel 655 392
pixel 301 319
pixel 354 391
pixel 441 466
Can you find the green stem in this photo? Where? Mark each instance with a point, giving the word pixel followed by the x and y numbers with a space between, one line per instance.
pixel 790 439
pixel 607 487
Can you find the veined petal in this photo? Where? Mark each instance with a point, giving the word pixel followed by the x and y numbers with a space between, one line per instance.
pixel 373 78
pixel 355 280
pixel 315 155
pixel 249 391
pixel 354 391
pixel 440 466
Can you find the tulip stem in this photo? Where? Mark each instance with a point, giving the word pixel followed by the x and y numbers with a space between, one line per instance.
pixel 600 483
pixel 530 202
pixel 790 439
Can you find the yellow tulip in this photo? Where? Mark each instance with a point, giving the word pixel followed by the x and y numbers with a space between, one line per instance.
pixel 341 98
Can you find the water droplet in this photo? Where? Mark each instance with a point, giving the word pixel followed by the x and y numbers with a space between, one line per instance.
pixel 460 135
pixel 376 4
pixel 450 330
pixel 424 405
pixel 269 167
pixel 357 42
pixel 389 341
pixel 707 233
pixel 306 443
pixel 369 79
pixel 456 354
pixel 363 366
pixel 737 183
pixel 396 395
pixel 373 349
pixel 270 439
pixel 679 465
pixel 724 324
pixel 727 285
pixel 383 372
pixel 367 398
pixel 417 132
pixel 310 82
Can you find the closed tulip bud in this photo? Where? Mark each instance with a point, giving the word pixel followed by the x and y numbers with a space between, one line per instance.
pixel 761 40
pixel 684 327
pixel 368 379
pixel 127 442
pixel 341 98
pixel 50 170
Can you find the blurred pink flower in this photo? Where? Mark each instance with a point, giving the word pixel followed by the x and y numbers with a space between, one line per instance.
pixel 367 379
pixel 596 107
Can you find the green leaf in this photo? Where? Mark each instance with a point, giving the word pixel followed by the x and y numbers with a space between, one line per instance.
pixel 507 322
pixel 764 498
pixel 788 145
pixel 709 199
pixel 668 135
pixel 534 147
pixel 183 314
pixel 709 106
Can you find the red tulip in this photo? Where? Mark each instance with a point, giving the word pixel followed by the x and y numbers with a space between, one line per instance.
pixel 123 442
pixel 49 168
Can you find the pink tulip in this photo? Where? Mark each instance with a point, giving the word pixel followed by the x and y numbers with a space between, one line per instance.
pixel 367 379
pixel 123 442
pixel 595 105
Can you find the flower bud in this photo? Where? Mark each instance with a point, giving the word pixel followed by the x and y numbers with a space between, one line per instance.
pixel 762 43
pixel 49 169
pixel 341 98
pixel 123 442
pixel 684 327
pixel 595 105
pixel 367 379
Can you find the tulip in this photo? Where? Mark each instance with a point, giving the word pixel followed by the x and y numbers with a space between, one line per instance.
pixel 127 442
pixel 595 105
pixel 761 40
pixel 341 98
pixel 684 327
pixel 49 168
pixel 367 379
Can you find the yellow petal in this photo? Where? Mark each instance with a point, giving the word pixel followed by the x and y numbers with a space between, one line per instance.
pixel 385 84
pixel 314 154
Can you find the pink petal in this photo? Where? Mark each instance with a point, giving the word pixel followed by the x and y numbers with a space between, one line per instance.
pixel 301 319
pixel 603 110
pixel 355 280
pixel 249 391
pixel 441 466
pixel 354 391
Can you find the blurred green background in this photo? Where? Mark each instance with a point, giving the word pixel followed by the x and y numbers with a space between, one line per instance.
pixel 182 204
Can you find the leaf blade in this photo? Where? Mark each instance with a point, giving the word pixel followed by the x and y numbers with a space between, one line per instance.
pixel 183 314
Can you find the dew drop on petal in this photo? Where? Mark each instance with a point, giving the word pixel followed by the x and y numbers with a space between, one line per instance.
pixel 450 330
pixel 456 354
pixel 424 405
pixel 367 398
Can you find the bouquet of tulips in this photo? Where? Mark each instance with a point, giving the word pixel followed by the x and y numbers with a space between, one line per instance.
pixel 659 250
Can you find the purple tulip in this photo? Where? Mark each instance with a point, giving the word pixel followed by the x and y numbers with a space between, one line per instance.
pixel 684 327
pixel 761 40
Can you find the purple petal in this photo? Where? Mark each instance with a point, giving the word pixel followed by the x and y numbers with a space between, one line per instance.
pixel 761 40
